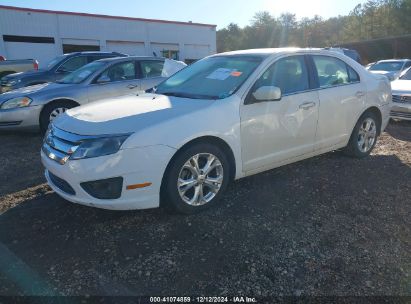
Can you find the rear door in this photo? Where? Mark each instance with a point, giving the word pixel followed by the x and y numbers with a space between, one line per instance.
pixel 119 79
pixel 342 96
pixel 150 73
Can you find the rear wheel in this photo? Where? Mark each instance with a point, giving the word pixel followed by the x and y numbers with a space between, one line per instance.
pixel 196 178
pixel 52 110
pixel 364 136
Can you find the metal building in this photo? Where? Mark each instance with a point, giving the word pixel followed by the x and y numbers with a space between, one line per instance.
pixel 43 34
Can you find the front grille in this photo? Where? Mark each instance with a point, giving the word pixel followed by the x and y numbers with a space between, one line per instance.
pixel 58 145
pixel 401 98
pixel 400 114
pixel 61 184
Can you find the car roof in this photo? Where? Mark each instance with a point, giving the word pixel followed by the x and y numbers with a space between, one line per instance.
pixel 93 53
pixel 273 51
pixel 393 60
pixel 131 57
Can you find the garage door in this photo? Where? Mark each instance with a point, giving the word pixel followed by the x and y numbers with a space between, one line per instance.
pixel 196 51
pixel 127 47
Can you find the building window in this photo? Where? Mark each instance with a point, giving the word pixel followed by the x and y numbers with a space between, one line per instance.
pixel 170 54
pixel 27 39
pixel 71 48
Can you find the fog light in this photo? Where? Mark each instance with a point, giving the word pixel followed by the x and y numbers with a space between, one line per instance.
pixel 105 188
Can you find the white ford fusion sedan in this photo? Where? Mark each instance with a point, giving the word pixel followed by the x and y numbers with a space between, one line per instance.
pixel 225 117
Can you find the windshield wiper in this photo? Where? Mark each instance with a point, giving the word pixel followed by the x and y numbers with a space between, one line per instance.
pixel 185 95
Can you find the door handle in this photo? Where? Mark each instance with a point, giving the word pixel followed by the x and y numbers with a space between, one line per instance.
pixel 132 86
pixel 307 105
pixel 360 94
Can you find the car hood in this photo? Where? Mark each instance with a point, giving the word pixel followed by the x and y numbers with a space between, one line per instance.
pixel 401 85
pixel 386 73
pixel 126 114
pixel 21 75
pixel 34 91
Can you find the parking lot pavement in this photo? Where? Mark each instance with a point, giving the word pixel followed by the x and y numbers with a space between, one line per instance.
pixel 330 225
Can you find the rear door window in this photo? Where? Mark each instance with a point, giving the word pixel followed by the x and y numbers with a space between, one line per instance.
pixel 332 72
pixel 151 68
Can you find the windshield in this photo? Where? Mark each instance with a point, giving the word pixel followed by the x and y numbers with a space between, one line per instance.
pixel 211 78
pixel 389 66
pixel 55 61
pixel 82 73
pixel 406 75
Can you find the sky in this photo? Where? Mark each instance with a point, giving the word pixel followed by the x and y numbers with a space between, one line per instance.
pixel 219 12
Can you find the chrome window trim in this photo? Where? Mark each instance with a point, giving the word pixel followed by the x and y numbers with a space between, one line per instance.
pixel 339 85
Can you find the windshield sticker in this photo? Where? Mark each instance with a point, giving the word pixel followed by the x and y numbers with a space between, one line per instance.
pixel 236 73
pixel 220 74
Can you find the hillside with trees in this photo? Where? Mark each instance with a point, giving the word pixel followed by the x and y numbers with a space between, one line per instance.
pixel 371 20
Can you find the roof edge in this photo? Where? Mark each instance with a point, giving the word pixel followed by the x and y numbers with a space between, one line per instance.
pixel 26 9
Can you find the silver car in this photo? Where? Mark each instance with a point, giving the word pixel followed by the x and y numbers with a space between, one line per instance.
pixel 401 97
pixel 35 106
pixel 391 68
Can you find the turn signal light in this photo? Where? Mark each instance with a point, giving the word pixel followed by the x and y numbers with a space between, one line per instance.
pixel 138 186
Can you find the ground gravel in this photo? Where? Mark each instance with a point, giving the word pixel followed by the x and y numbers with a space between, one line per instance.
pixel 330 225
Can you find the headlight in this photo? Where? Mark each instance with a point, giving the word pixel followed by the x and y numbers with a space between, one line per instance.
pixel 18 102
pixel 13 82
pixel 99 147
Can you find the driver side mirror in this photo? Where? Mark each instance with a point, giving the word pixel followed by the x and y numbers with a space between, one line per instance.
pixel 267 93
pixel 103 79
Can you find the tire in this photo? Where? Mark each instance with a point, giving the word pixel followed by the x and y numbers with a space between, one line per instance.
pixel 47 113
pixel 364 136
pixel 177 195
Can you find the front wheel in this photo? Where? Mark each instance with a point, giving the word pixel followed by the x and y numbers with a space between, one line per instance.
pixel 196 178
pixel 51 111
pixel 364 136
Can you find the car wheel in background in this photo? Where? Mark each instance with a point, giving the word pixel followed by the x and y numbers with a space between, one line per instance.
pixel 364 136
pixel 52 110
pixel 196 178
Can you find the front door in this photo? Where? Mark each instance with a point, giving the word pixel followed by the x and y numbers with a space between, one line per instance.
pixel 117 80
pixel 274 131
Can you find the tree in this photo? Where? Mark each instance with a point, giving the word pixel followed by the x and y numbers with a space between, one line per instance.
pixel 371 20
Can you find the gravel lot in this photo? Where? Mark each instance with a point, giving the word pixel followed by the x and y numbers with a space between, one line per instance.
pixel 330 225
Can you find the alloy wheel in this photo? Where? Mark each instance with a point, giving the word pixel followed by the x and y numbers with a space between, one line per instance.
pixel 367 135
pixel 56 112
pixel 200 179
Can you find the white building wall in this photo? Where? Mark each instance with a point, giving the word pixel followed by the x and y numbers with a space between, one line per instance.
pixel 111 34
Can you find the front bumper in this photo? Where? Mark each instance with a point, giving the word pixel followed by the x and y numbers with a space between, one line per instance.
pixel 385 114
pixel 20 118
pixel 135 166
pixel 401 111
